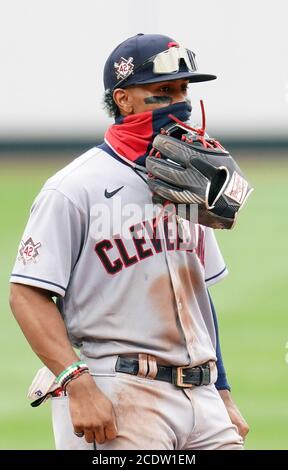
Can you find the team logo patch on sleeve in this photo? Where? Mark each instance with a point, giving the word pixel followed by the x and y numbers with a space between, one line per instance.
pixel 124 67
pixel 28 251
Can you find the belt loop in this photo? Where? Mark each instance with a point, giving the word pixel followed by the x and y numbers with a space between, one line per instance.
pixel 143 365
pixel 153 369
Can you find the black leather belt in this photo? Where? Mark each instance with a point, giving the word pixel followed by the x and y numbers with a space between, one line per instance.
pixel 184 377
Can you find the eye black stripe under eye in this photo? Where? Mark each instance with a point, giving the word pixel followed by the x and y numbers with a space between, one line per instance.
pixel 157 99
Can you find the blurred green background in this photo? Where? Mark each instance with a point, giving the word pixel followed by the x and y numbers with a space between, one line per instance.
pixel 251 305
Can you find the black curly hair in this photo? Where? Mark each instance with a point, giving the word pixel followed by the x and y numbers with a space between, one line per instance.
pixel 109 104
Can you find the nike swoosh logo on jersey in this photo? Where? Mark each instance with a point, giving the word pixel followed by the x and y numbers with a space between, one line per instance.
pixel 112 193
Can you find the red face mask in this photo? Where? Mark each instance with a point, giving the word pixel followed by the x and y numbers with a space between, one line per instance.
pixel 131 136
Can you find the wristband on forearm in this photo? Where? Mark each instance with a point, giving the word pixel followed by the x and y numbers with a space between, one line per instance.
pixel 72 372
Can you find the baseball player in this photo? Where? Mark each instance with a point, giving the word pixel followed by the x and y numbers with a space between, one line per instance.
pixel 100 269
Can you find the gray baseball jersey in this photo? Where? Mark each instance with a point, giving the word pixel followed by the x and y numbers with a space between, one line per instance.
pixel 122 288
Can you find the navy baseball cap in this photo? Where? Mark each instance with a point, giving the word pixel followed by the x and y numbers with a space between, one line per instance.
pixel 150 58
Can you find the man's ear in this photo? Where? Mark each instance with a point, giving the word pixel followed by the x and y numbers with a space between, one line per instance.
pixel 123 100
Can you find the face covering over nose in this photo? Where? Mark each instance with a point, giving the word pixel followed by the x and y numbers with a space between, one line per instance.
pixel 131 136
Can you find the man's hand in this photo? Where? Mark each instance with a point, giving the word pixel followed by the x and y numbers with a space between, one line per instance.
pixel 91 411
pixel 37 314
pixel 234 413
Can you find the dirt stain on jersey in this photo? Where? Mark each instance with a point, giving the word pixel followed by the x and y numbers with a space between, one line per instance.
pixel 162 296
pixel 190 279
pixel 161 293
pixel 189 284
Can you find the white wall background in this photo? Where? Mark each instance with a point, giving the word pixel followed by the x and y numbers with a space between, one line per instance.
pixel 52 53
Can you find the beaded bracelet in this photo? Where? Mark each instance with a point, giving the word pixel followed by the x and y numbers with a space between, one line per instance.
pixel 74 375
pixel 72 372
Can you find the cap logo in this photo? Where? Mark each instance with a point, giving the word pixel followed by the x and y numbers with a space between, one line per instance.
pixel 124 67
